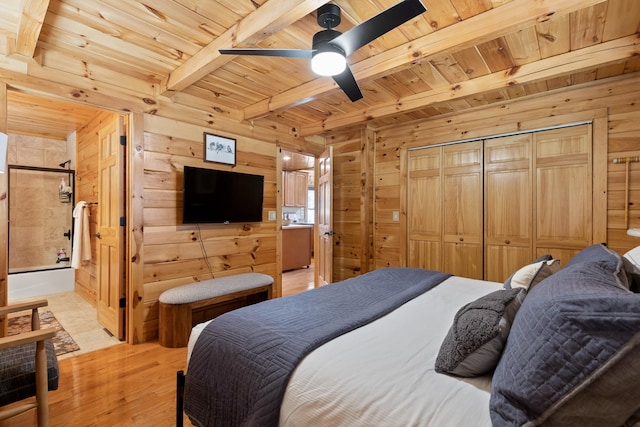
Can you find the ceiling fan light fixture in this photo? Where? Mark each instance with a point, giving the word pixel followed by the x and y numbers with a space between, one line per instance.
pixel 330 48
pixel 327 59
pixel 328 63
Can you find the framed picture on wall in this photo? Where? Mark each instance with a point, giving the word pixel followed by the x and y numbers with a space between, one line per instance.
pixel 219 149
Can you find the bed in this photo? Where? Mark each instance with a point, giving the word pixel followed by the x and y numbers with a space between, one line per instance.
pixel 549 346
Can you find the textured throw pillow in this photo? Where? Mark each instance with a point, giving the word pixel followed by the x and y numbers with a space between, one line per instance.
pixel 532 274
pixel 573 354
pixel 476 339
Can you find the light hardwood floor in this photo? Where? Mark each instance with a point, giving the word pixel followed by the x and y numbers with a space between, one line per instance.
pixel 126 385
pixel 122 385
pixel 295 281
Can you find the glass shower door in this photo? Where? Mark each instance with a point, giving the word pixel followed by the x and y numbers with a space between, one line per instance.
pixel 40 218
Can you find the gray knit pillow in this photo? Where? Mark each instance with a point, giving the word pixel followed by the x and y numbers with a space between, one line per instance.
pixel 475 341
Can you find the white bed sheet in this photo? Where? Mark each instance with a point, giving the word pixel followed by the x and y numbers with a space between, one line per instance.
pixel 193 337
pixel 383 373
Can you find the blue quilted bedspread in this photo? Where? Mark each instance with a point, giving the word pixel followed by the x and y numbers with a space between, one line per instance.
pixel 241 363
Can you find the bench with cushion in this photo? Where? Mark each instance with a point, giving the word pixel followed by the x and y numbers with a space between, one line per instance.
pixel 184 306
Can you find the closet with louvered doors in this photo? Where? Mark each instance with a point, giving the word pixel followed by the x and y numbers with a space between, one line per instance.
pixel 563 191
pixel 508 201
pixel 482 209
pixel 444 209
pixel 462 209
pixel 424 208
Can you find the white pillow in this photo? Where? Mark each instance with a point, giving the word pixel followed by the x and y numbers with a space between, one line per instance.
pixel 634 256
pixel 532 274
pixel 633 270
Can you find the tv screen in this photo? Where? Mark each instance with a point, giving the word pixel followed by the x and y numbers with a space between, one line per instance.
pixel 214 196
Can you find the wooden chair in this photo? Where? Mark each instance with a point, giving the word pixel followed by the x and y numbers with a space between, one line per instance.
pixel 28 367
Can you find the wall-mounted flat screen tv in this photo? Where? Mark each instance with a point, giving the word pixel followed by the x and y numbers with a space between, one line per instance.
pixel 215 196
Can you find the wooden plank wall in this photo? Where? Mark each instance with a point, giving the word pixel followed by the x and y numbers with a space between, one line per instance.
pixel 617 99
pixel 173 253
pixel 624 141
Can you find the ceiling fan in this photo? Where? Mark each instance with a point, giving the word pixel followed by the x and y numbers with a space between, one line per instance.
pixel 330 48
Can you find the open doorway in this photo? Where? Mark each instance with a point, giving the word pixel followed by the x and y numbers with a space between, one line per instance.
pixel 49 171
pixel 298 222
pixel 298 182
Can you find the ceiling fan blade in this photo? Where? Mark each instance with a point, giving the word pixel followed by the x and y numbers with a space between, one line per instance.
pixel 382 23
pixel 288 53
pixel 348 84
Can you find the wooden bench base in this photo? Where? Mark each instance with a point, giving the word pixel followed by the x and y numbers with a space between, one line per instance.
pixel 176 320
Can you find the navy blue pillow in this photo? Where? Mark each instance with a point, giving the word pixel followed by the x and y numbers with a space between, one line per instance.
pixel 596 253
pixel 569 337
pixel 607 258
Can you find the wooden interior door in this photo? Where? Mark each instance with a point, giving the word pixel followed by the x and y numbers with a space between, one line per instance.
pixel 564 195
pixel 324 259
pixel 110 241
pixel 462 209
pixel 508 205
pixel 424 209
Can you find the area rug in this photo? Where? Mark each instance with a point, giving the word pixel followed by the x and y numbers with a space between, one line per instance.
pixel 62 341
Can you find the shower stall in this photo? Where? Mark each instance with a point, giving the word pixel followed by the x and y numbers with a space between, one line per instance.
pixel 41 202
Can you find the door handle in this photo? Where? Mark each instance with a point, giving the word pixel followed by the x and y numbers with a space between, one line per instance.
pixel 98 235
pixel 329 233
pixel 67 234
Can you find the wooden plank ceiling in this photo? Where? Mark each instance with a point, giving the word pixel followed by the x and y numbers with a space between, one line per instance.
pixel 458 55
pixel 44 117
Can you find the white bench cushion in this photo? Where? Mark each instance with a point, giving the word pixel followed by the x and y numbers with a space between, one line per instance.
pixel 211 288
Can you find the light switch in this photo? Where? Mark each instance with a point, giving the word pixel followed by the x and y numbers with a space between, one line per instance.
pixel 272 215
pixel 396 216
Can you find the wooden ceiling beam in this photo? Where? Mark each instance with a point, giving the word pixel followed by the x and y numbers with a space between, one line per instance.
pixel 258 25
pixel 29 26
pixel 561 65
pixel 497 22
pixel 128 103
pixel 39 82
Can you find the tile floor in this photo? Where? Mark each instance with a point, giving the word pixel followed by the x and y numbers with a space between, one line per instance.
pixel 78 318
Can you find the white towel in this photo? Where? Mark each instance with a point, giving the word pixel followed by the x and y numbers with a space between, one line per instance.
pixel 81 250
